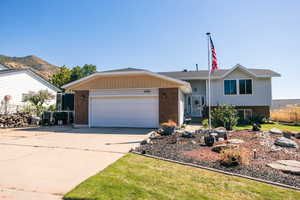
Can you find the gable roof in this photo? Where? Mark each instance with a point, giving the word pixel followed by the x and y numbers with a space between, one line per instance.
pixel 185 86
pixel 31 73
pixel 220 73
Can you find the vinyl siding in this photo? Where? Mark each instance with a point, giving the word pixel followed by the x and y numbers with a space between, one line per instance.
pixel 124 82
pixel 17 84
pixel 261 91
pixel 200 86
pixel 181 107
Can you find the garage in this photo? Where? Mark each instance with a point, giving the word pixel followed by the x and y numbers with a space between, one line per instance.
pixel 128 98
pixel 124 111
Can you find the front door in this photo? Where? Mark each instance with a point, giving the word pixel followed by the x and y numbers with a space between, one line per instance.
pixel 197 105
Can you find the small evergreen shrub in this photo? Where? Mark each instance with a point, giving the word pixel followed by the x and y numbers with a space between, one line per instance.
pixel 226 116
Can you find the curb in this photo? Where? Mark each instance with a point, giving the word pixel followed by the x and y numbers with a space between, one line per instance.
pixel 219 171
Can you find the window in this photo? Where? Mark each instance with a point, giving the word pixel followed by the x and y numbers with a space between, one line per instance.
pixel 245 86
pixel 244 114
pixel 195 89
pixel 25 96
pixel 230 87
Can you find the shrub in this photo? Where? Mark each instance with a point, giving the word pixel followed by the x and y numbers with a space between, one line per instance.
pixel 205 123
pixel 169 123
pixel 225 115
pixel 234 157
pixel 168 127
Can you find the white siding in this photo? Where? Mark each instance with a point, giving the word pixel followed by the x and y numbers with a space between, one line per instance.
pixel 181 107
pixel 200 86
pixel 125 92
pixel 2 67
pixel 261 91
pixel 16 84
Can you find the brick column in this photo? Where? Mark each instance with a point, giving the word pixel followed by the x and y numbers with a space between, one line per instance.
pixel 168 105
pixel 81 106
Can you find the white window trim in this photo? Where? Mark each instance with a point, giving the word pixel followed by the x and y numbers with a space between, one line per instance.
pixel 251 87
pixel 237 87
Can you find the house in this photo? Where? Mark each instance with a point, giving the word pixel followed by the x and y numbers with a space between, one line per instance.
pixel 17 83
pixel 141 98
pixel 250 90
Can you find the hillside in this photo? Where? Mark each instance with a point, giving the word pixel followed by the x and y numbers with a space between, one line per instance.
pixel 38 65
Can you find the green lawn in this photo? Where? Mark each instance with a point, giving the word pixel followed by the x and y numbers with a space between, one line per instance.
pixel 135 177
pixel 266 127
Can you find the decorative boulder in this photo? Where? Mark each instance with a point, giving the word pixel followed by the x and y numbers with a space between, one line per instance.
pixel 222 133
pixel 285 142
pixel 188 135
pixel 287 134
pixel 209 140
pixel 193 142
pixel 297 135
pixel 275 131
pixel 235 141
pixel 289 166
pixel 255 127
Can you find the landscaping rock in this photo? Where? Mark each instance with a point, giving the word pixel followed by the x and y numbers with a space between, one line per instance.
pixel 297 135
pixel 147 141
pixel 290 166
pixel 192 142
pixel 154 135
pixel 275 131
pixel 188 135
pixel 275 149
pixel 235 141
pixel 285 142
pixel 221 147
pixel 255 127
pixel 209 140
pixel 287 134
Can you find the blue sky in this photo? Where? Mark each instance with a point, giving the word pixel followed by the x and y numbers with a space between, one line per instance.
pixel 159 35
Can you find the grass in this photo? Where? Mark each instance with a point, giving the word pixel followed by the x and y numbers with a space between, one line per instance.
pixel 135 177
pixel 266 127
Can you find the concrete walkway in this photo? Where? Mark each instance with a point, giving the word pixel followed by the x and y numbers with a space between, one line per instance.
pixel 45 163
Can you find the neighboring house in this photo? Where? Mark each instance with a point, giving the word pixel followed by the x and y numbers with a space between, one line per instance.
pixel 3 67
pixel 17 83
pixel 140 98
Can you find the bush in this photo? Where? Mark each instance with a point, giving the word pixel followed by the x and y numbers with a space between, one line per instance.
pixel 169 123
pixel 234 157
pixel 226 116
pixel 205 123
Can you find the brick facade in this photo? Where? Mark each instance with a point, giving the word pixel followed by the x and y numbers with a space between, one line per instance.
pixel 81 98
pixel 168 105
pixel 256 110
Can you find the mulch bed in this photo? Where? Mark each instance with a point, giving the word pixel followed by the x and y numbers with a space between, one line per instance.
pixel 182 149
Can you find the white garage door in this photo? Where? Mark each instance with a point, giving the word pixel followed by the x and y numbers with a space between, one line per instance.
pixel 124 112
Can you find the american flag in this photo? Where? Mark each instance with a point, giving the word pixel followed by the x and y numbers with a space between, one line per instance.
pixel 214 65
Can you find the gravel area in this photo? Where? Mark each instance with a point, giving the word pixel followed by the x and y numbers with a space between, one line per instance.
pixel 193 150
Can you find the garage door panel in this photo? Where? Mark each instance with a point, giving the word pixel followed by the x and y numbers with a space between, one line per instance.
pixel 124 112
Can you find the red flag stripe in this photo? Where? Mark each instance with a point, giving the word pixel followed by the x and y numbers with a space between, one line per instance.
pixel 214 57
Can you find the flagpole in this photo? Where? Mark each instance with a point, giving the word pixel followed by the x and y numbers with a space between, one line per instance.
pixel 209 74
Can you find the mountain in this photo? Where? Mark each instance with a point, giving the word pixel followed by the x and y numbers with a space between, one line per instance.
pixel 38 65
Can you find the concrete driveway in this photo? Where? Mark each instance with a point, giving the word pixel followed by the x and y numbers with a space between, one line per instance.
pixel 45 163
